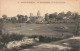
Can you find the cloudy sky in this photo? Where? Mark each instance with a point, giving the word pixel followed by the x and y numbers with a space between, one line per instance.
pixel 25 7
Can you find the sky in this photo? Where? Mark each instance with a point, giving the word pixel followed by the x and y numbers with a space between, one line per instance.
pixel 25 7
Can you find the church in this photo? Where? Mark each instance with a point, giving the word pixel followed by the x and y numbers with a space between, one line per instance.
pixel 36 19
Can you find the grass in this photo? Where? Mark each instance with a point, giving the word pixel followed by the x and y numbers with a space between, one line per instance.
pixel 13 32
pixel 37 29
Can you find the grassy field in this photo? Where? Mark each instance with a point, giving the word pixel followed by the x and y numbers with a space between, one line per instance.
pixel 21 29
pixel 38 29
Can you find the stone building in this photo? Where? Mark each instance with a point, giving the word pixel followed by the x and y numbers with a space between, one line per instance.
pixel 36 19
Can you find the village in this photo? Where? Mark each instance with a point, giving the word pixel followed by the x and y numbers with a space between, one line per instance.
pixel 53 32
pixel 55 17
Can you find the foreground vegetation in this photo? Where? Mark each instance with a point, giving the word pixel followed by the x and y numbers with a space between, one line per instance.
pixel 5 39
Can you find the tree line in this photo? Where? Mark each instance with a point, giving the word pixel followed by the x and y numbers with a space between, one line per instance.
pixel 61 16
pixel 48 17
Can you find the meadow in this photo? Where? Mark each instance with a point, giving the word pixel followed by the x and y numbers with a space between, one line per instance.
pixel 53 32
pixel 39 29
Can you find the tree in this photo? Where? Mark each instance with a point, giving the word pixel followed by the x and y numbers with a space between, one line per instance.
pixel 73 16
pixel 47 17
pixel 20 18
pixel 60 16
pixel 1 20
pixel 1 26
pixel 54 15
pixel 4 16
pixel 68 13
pixel 13 20
pixel 76 15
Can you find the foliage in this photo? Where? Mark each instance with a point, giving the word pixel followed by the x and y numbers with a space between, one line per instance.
pixel 13 20
pixel 68 13
pixel 53 17
pixel 7 37
pixel 4 16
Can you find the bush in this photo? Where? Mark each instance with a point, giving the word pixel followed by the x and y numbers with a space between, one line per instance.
pixel 13 37
pixel 7 38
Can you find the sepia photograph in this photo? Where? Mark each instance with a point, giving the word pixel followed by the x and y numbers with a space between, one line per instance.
pixel 39 25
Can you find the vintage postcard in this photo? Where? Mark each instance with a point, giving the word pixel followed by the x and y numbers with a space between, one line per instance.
pixel 39 25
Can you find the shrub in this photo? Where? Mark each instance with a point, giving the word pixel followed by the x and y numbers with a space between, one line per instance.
pixel 13 37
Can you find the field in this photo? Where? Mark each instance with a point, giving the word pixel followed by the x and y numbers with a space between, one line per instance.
pixel 18 30
pixel 39 29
